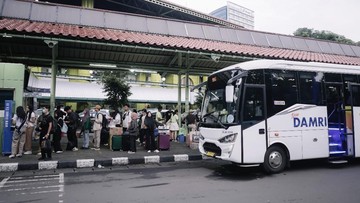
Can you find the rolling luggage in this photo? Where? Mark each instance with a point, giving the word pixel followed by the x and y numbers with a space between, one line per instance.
pixel 193 136
pixel 125 141
pixel 164 139
pixel 116 143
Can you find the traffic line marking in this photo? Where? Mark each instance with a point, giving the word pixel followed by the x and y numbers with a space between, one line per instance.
pixel 3 182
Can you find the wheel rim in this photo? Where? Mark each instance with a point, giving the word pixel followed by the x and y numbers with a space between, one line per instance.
pixel 275 159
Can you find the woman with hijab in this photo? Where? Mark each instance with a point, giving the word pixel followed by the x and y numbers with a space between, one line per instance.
pixel 86 127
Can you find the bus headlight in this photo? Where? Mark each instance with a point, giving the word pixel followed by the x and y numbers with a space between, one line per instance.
pixel 228 138
pixel 201 137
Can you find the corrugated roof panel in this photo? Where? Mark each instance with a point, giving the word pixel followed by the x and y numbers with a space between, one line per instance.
pixel 228 35
pixel 195 31
pixel 313 45
pixel 244 37
pixel 92 18
pixel 116 21
pixel 287 42
pixel 177 28
pixel 336 48
pixel 136 23
pixel 325 47
pixel 43 13
pixel 274 40
pixel 300 44
pixel 69 15
pixel 1 6
pixel 356 50
pixel 260 39
pixel 347 49
pixel 157 26
pixel 211 32
pixel 22 9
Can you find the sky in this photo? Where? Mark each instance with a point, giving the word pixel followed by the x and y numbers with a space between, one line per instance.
pixel 285 16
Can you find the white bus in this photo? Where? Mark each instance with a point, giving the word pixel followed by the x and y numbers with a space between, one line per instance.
pixel 271 112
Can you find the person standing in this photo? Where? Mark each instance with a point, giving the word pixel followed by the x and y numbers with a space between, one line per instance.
pixel 158 118
pixel 58 115
pixel 133 132
pixel 174 126
pixel 30 124
pixel 71 120
pixel 142 127
pixel 86 127
pixel 150 137
pixel 18 139
pixel 126 122
pixel 45 129
pixel 97 127
pixel 114 125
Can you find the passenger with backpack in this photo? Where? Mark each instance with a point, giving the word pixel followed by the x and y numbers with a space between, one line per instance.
pixel 126 121
pixel 18 139
pixel 86 127
pixel 71 122
pixel 46 127
pixel 97 127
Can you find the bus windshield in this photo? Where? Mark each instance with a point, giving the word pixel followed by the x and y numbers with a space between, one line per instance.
pixel 216 112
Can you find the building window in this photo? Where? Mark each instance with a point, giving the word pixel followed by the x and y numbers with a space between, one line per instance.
pixel 5 95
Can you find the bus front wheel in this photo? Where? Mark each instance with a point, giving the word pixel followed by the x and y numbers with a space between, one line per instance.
pixel 275 160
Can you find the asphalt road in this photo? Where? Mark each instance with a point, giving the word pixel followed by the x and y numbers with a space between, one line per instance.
pixel 201 181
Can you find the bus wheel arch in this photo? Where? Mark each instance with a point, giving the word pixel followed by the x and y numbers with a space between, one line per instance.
pixel 276 158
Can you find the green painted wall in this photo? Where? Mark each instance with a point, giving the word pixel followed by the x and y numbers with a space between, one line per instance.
pixel 11 78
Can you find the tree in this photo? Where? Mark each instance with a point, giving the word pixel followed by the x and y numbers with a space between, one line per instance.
pixel 116 89
pixel 325 35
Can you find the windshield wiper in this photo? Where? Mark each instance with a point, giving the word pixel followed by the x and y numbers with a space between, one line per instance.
pixel 217 120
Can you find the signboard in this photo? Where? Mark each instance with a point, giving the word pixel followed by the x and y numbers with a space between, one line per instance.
pixel 6 145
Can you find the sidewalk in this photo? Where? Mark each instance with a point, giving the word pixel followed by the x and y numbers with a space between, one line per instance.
pixel 92 158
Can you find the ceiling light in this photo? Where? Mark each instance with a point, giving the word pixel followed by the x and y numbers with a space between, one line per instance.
pixel 102 65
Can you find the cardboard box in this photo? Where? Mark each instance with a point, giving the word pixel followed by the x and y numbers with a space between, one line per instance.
pixel 116 131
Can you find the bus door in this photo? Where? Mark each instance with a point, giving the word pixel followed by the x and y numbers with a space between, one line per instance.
pixel 353 120
pixel 336 119
pixel 254 124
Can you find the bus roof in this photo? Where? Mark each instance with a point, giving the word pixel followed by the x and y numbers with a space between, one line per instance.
pixel 294 65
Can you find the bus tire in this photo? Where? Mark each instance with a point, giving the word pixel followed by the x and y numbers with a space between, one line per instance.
pixel 275 160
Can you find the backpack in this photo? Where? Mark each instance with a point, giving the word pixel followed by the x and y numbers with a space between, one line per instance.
pixel 104 121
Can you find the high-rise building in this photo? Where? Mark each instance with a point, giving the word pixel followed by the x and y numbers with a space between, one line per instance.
pixel 236 14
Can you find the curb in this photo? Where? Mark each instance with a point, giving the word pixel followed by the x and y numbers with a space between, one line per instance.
pixel 89 163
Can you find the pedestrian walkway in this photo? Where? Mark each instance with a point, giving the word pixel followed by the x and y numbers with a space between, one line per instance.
pixel 101 158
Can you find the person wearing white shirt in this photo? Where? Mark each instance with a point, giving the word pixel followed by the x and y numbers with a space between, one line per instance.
pixel 126 121
pixel 114 123
pixel 30 124
pixel 18 139
pixel 97 127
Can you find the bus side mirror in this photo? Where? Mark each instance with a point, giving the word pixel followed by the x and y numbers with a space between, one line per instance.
pixel 229 94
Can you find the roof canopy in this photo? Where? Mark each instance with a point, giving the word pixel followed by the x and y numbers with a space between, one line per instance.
pixel 87 36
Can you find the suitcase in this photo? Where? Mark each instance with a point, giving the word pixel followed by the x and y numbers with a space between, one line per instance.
pixel 191 137
pixel 164 141
pixel 125 142
pixel 116 143
pixel 104 136
pixel 181 138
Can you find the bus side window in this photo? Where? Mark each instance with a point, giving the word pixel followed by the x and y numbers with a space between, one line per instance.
pixel 283 90
pixel 253 104
pixel 310 87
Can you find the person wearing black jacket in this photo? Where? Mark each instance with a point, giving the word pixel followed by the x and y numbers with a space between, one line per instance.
pixel 45 131
pixel 71 121
pixel 58 115
pixel 150 137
